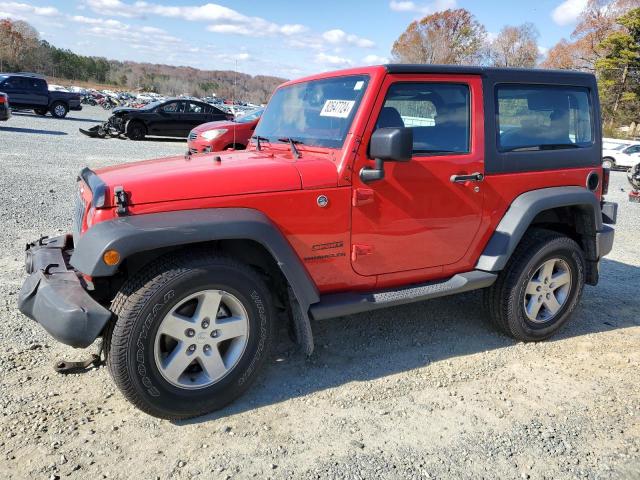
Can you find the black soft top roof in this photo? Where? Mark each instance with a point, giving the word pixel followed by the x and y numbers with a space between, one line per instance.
pixel 521 74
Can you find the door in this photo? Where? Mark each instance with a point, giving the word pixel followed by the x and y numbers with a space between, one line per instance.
pixel 193 116
pixel 420 215
pixel 16 89
pixel 38 92
pixel 167 120
pixel 629 157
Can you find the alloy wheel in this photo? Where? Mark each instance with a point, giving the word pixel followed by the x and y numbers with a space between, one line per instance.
pixel 201 339
pixel 547 290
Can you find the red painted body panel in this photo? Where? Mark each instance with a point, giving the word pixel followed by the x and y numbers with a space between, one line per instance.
pixel 413 226
pixel 237 134
pixel 419 219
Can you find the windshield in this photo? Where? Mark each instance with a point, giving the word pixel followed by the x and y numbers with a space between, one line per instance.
pixel 317 113
pixel 250 116
pixel 151 106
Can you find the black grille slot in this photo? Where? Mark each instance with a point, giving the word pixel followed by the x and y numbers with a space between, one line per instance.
pixel 79 208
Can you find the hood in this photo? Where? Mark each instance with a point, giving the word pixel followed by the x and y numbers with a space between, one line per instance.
pixel 213 125
pixel 124 110
pixel 202 176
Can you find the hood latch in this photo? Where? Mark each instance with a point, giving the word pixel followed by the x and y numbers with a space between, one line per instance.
pixel 121 200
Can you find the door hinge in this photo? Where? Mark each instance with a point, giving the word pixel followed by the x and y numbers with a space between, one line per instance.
pixel 362 196
pixel 360 251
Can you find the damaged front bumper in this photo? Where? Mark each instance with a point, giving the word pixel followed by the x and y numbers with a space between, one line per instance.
pixel 54 296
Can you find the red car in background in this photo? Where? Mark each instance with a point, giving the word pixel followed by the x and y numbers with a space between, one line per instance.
pixel 223 135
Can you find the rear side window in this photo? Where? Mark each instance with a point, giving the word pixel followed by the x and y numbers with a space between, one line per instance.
pixel 535 117
pixel 195 107
pixel 438 114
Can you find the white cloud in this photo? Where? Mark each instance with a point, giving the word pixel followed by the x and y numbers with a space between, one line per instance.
pixel 375 60
pixel 24 10
pixel 337 37
pixel 424 9
pixel 542 51
pixel 221 19
pixel 332 60
pixel 116 8
pixel 568 11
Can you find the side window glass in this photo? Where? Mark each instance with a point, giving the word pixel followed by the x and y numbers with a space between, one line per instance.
pixel 537 117
pixel 195 108
pixel 172 107
pixel 633 149
pixel 438 114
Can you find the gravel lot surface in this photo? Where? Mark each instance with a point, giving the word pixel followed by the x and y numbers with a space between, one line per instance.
pixel 422 391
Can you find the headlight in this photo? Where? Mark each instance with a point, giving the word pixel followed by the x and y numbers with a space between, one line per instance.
pixel 211 134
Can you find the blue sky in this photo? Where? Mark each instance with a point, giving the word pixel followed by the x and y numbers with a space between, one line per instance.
pixel 275 37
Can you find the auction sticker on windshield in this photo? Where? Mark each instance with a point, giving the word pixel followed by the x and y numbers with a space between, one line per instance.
pixel 337 108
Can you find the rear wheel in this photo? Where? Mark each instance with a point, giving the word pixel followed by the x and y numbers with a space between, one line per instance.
pixel 539 288
pixel 136 131
pixel 191 334
pixel 59 110
pixel 609 163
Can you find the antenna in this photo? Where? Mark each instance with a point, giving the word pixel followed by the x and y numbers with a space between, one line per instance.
pixel 233 103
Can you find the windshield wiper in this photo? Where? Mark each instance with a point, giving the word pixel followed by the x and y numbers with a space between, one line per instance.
pixel 293 143
pixel 258 138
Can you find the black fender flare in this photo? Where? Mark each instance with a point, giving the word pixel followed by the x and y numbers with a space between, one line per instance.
pixel 134 234
pixel 524 209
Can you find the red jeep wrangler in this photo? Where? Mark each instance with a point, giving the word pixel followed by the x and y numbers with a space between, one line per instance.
pixel 362 189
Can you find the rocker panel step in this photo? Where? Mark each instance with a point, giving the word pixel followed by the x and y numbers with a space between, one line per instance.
pixel 339 304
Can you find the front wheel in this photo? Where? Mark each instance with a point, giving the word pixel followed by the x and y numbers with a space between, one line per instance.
pixel 609 163
pixel 136 131
pixel 539 288
pixel 191 334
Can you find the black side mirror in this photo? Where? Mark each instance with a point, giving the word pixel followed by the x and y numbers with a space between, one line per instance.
pixel 393 144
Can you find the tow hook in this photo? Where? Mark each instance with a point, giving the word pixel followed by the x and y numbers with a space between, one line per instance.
pixel 65 367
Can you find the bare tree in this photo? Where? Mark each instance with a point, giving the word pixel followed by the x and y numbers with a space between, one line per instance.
pixel 447 37
pixel 515 46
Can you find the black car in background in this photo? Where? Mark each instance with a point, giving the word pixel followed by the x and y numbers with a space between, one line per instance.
pixel 5 113
pixel 170 118
pixel 29 91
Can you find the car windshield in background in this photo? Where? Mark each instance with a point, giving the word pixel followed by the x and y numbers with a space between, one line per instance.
pixel 250 116
pixel 318 112
pixel 151 106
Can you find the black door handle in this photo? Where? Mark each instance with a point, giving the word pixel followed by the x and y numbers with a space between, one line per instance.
pixel 474 177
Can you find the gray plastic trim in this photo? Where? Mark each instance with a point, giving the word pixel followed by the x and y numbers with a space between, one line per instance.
pixel 140 233
pixel 521 213
pixel 339 304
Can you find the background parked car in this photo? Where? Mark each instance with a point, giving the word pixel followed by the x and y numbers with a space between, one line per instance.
pixel 170 118
pixel 623 155
pixel 217 136
pixel 30 92
pixel 5 112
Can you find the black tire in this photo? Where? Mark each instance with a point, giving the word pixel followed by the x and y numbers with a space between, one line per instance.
pixel 41 111
pixel 136 131
pixel 608 162
pixel 59 109
pixel 504 300
pixel 141 305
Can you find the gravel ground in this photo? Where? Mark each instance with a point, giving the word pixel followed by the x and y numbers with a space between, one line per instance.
pixel 421 391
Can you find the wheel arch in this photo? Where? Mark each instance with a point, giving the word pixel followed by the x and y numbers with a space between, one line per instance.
pixel 573 211
pixel 246 234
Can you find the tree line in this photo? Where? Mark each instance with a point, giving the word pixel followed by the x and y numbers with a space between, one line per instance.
pixel 22 50
pixel 605 41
